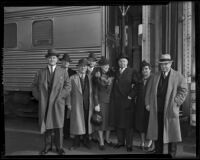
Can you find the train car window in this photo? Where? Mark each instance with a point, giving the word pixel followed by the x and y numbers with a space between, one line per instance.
pixel 42 33
pixel 10 35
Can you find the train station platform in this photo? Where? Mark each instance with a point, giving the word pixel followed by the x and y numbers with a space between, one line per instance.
pixel 22 138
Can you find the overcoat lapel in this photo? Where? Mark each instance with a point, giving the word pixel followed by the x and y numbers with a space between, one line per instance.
pixel 78 83
pixel 123 74
pixel 45 77
pixel 169 89
pixel 55 78
pixel 156 86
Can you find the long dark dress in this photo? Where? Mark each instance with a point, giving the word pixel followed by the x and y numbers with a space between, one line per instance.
pixel 141 117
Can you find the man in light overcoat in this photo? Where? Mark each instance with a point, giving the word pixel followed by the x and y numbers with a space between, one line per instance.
pixel 81 105
pixel 165 93
pixel 50 87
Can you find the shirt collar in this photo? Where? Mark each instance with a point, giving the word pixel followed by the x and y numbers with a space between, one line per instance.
pixel 81 75
pixel 122 69
pixel 166 73
pixel 49 66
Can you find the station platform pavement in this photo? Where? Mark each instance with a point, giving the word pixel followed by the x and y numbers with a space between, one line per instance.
pixel 22 138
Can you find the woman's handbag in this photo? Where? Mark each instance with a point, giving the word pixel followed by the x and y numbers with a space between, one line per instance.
pixel 97 118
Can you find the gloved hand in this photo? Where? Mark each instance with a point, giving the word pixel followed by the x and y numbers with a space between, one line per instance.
pixel 97 108
pixel 147 107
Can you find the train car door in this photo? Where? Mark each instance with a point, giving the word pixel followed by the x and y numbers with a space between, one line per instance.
pixel 123 34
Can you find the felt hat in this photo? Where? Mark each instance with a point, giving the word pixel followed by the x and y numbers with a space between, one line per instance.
pixel 52 52
pixel 165 58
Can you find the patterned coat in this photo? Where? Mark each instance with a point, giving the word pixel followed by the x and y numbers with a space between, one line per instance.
pixel 60 90
pixel 175 96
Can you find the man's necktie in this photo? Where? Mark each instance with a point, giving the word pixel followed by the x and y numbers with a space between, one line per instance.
pixel 51 70
pixel 164 75
pixel 82 80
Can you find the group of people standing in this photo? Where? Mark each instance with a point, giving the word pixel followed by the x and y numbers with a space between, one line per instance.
pixel 126 98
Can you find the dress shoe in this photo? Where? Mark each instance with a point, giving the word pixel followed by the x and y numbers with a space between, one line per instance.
pixel 150 149
pixel 101 147
pixel 74 147
pixel 108 143
pixel 87 145
pixel 118 145
pixel 142 147
pixel 129 149
pixel 45 150
pixel 95 140
pixel 60 151
pixel 173 154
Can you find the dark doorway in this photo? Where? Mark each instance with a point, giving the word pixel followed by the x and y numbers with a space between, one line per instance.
pixel 132 41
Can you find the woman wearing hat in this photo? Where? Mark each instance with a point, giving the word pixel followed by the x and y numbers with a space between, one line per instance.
pixel 141 117
pixel 102 84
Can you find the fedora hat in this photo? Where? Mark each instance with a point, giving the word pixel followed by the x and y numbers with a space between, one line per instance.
pixel 123 56
pixel 65 57
pixel 52 52
pixel 165 58
pixel 103 61
pixel 92 57
pixel 82 62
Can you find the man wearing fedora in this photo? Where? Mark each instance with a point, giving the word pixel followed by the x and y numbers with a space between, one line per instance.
pixel 50 87
pixel 121 108
pixel 81 105
pixel 92 62
pixel 65 62
pixel 165 93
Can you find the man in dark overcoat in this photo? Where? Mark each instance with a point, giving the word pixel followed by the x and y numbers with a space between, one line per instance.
pixel 50 87
pixel 122 104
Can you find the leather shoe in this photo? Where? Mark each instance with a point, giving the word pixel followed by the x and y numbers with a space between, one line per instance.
pixel 150 150
pixel 74 147
pixel 94 140
pixel 87 145
pixel 129 149
pixel 173 154
pixel 101 147
pixel 45 150
pixel 118 145
pixel 60 151
pixel 109 143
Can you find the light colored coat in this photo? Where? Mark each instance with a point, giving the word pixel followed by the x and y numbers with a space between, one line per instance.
pixel 60 90
pixel 77 122
pixel 175 96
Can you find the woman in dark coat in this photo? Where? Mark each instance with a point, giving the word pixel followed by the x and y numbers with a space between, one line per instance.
pixel 141 117
pixel 102 82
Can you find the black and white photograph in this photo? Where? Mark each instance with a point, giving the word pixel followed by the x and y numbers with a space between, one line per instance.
pixel 100 80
